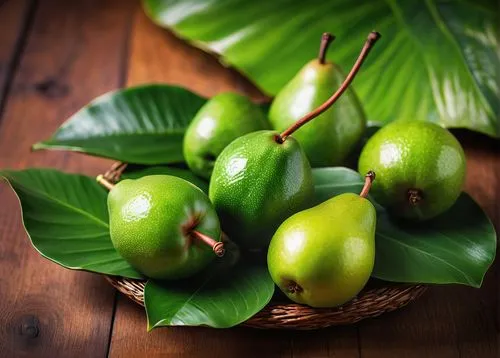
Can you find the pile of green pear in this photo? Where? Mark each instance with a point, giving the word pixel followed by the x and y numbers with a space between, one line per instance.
pixel 261 187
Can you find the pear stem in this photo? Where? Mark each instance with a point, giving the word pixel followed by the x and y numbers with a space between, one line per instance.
pixel 326 40
pixel 104 182
pixel 217 246
pixel 372 38
pixel 369 178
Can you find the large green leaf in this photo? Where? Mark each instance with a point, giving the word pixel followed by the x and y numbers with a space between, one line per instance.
pixel 437 59
pixel 215 300
pixel 177 172
pixel 66 217
pixel 456 247
pixel 143 125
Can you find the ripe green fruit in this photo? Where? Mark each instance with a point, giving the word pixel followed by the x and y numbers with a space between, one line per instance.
pixel 262 178
pixel 328 140
pixel 163 226
pixel 420 168
pixel 221 120
pixel 256 184
pixel 324 256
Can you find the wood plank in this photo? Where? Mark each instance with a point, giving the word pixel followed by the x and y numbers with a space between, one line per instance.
pixel 448 321
pixel 158 56
pixel 130 339
pixel 15 18
pixel 74 53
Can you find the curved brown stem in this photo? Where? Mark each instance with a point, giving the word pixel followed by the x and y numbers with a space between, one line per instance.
pixel 369 178
pixel 217 246
pixel 372 38
pixel 104 182
pixel 326 40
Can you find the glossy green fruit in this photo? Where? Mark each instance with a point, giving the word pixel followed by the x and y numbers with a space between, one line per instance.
pixel 324 256
pixel 332 135
pixel 420 168
pixel 221 120
pixel 152 223
pixel 256 184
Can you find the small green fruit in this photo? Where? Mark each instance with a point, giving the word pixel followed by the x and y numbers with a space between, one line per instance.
pixel 420 168
pixel 221 120
pixel 256 184
pixel 324 256
pixel 161 225
pixel 331 137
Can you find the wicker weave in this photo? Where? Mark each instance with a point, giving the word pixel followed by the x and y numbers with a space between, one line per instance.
pixel 371 302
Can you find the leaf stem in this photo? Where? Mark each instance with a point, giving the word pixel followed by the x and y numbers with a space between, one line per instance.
pixel 217 246
pixel 326 40
pixel 372 38
pixel 369 178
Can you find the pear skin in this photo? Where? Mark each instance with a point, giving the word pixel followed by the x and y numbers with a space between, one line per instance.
pixel 329 139
pixel 421 168
pixel 221 120
pixel 152 223
pixel 324 256
pixel 256 184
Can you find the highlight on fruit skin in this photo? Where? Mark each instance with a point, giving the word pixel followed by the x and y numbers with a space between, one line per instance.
pixel 324 256
pixel 163 226
pixel 421 168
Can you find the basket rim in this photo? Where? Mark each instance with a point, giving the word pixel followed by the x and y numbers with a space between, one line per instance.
pixel 277 314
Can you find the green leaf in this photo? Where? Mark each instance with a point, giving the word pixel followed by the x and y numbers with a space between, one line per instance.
pixel 142 125
pixel 329 182
pixel 212 300
pixel 456 247
pixel 436 61
pixel 181 173
pixel 66 218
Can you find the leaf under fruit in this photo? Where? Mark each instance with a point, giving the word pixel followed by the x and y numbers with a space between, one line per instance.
pixel 219 300
pixel 66 218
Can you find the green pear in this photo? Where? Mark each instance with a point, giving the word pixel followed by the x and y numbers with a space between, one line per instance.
pixel 421 168
pixel 256 184
pixel 164 226
pixel 263 177
pixel 329 139
pixel 221 120
pixel 324 256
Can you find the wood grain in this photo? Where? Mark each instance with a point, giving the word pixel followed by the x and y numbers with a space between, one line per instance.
pixel 157 55
pixel 15 18
pixel 73 53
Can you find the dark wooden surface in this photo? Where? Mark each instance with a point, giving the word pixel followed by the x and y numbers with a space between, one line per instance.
pixel 55 56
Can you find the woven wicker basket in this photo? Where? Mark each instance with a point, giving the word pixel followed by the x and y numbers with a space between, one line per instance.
pixel 371 302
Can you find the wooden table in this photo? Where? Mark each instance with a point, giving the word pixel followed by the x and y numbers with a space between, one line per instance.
pixel 57 55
